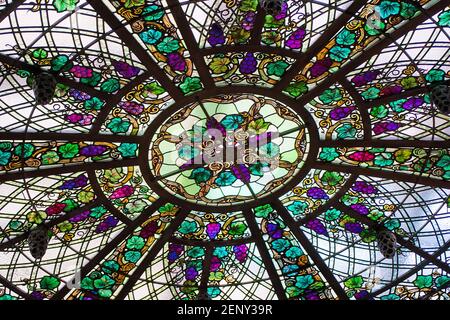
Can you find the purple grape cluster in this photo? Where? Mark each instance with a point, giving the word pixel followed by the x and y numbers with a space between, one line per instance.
pixel 360 208
pixel 320 67
pixel 274 231
pixel 92 151
pixel 176 61
pixel 248 21
pixel 132 107
pixel 248 64
pixel 80 217
pixel 215 264
pixel 108 223
pixel 341 112
pixel 240 252
pixel 78 95
pixel 190 273
pixel 364 78
pixel 364 187
pixel 241 172
pixel 381 127
pixel 175 250
pixel 78 182
pixel 216 35
pixel 391 90
pixel 122 192
pixel 149 230
pixel 56 208
pixel 413 103
pixel 212 123
pixel 353 227
pixel 213 229
pixel 81 72
pixel 317 226
pixel 125 70
pixel 295 40
pixel 311 295
pixel 317 193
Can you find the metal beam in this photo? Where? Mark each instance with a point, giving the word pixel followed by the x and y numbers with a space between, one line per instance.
pixel 317 46
pixel 410 273
pixel 374 49
pixel 53 222
pixel 10 9
pixel 364 112
pixel 66 81
pixel 330 203
pixel 107 203
pixel 265 256
pixel 405 243
pixel 156 248
pixel 191 43
pixel 7 284
pixel 310 250
pixel 141 53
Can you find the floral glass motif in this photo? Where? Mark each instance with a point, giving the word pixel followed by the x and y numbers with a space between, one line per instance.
pixel 188 157
pixel 209 150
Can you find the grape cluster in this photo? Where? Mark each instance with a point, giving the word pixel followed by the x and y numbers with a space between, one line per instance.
pixel 78 95
pixel 56 208
pixel 122 192
pixel 81 72
pixel 213 229
pixel 216 35
pixel 363 187
pixel 381 127
pixel 248 64
pixel 248 21
pixel 175 250
pixel 365 78
pixel 295 40
pixel 125 70
pixel 190 273
pixel 273 231
pixel 215 264
pixel 92 151
pixel 132 107
pixel 80 217
pixel 240 252
pixel 341 112
pixel 353 227
pixel 317 193
pixel 78 182
pixel 241 172
pixel 317 226
pixel 176 61
pixel 320 67
pixel 360 208
pixel 149 230
pixel 108 223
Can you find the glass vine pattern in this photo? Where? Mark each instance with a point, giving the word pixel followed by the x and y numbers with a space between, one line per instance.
pixel 108 168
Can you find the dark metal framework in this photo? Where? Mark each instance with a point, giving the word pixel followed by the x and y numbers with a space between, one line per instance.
pixel 211 90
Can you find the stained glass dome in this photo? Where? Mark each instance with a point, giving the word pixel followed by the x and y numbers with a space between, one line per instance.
pixel 217 150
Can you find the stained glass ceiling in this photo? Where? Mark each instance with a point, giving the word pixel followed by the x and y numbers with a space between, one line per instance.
pixel 115 168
